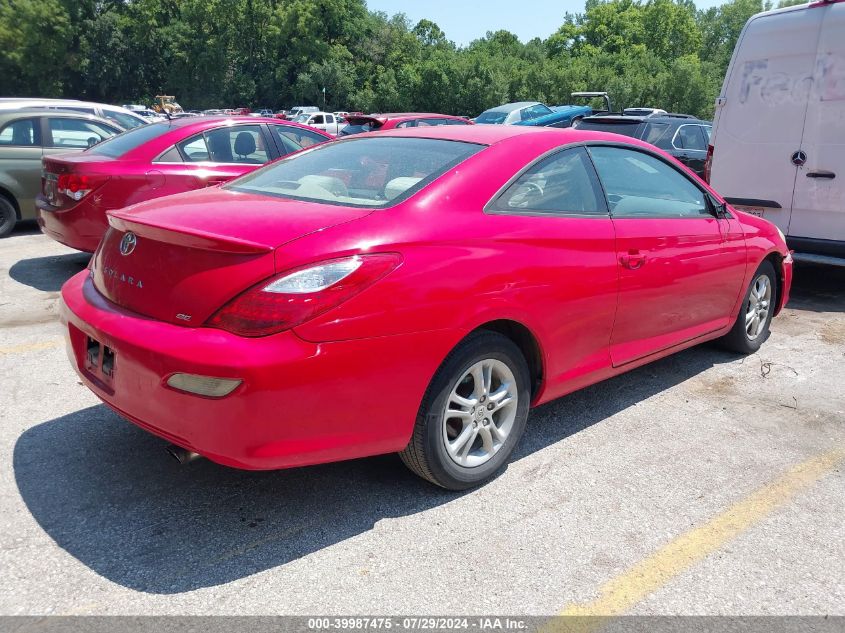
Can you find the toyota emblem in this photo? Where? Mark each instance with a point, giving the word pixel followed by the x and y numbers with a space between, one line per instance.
pixel 127 244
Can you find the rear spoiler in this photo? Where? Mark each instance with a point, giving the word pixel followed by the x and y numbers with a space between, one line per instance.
pixel 180 236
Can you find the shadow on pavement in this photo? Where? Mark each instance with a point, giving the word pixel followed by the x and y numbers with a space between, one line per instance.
pixel 48 273
pixel 818 288
pixel 107 493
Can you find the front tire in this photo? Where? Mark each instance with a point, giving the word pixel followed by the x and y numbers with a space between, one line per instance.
pixel 473 413
pixel 751 328
pixel 8 217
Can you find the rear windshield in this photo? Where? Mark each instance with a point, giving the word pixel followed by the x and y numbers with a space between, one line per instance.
pixel 359 128
pixel 119 145
pixel 369 171
pixel 492 117
pixel 628 128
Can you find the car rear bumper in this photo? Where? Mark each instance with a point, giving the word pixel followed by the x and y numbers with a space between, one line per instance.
pixel 81 226
pixel 299 403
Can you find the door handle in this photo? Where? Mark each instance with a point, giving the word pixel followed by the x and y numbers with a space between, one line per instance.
pixel 821 174
pixel 632 260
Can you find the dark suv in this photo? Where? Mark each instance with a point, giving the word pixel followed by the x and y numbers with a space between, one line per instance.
pixel 681 135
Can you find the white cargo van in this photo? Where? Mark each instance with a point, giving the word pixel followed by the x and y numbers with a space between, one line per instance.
pixel 778 142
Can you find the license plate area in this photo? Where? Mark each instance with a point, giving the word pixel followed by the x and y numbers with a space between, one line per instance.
pixel 100 361
pixel 51 188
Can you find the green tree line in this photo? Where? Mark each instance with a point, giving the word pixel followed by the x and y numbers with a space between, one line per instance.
pixel 278 53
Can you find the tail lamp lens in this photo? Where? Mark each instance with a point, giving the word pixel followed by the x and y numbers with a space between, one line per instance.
pixel 77 186
pixel 297 296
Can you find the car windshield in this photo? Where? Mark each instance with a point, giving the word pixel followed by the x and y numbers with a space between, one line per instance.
pixel 302 118
pixel 492 116
pixel 371 171
pixel 119 145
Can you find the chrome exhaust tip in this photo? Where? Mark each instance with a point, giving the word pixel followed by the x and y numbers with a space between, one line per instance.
pixel 181 455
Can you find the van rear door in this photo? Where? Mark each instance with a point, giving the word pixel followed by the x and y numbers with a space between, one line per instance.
pixel 818 207
pixel 760 114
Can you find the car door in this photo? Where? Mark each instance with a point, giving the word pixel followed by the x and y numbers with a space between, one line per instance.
pixel 690 147
pixel 680 267
pixel 212 157
pixel 818 205
pixel 555 221
pixel 20 161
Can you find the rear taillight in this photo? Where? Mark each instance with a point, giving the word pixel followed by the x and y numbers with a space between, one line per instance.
pixel 708 164
pixel 299 295
pixel 77 186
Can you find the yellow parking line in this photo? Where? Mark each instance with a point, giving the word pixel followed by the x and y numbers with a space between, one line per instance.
pixel 31 347
pixel 621 593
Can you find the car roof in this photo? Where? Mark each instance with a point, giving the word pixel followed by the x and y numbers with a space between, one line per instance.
pixel 510 107
pixel 202 122
pixel 492 134
pixel 65 114
pixel 636 118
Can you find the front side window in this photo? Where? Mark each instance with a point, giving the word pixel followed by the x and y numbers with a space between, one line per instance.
pixel 292 139
pixel 21 133
pixel 639 185
pixel 317 120
pixel 77 133
pixel 236 144
pixel 367 171
pixel 562 184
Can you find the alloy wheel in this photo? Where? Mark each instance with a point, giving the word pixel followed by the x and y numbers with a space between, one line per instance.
pixel 480 413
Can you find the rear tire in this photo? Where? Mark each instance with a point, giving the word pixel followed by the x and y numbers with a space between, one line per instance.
pixel 467 427
pixel 751 328
pixel 8 216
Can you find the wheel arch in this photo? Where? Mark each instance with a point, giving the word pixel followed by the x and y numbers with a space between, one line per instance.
pixel 528 344
pixel 776 260
pixel 11 198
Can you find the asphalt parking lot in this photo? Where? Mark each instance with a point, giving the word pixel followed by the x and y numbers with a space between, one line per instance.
pixel 705 483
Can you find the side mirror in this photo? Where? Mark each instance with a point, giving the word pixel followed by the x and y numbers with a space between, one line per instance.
pixel 718 209
pixel 92 141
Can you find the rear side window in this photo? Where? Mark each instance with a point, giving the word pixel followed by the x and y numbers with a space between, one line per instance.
pixel 237 144
pixel 21 133
pixel 532 112
pixel 656 133
pixel 690 137
pixel 367 171
pixel 77 133
pixel 562 184
pixel 130 140
pixel 292 139
pixel 639 185
pixel 456 122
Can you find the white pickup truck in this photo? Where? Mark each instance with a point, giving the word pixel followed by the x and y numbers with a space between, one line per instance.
pixel 325 121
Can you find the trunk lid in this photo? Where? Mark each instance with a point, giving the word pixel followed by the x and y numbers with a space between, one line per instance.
pixel 56 170
pixel 179 259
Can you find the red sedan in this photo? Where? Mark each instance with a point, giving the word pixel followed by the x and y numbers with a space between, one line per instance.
pixel 414 291
pixel 358 123
pixel 153 161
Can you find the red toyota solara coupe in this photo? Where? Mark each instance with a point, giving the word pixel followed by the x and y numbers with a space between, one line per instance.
pixel 155 160
pixel 415 291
